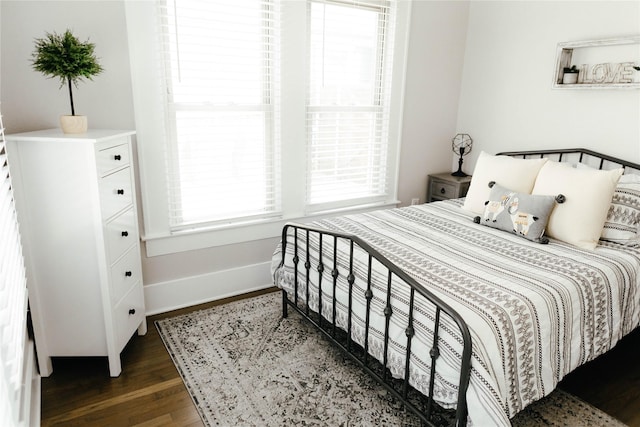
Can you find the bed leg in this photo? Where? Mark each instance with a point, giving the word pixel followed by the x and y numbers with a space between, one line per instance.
pixel 285 312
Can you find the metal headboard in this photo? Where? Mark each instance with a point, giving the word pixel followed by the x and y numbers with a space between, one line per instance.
pixel 579 155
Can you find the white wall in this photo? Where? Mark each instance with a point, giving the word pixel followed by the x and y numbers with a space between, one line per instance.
pixel 32 101
pixel 434 70
pixel 507 102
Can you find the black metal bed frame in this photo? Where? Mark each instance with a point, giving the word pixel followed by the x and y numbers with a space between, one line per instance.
pixel 344 341
pixel 424 405
pixel 583 156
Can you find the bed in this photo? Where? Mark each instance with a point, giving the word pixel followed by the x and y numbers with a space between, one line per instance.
pixel 464 322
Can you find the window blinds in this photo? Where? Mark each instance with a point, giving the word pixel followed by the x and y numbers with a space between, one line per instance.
pixel 220 74
pixel 222 66
pixel 13 299
pixel 350 57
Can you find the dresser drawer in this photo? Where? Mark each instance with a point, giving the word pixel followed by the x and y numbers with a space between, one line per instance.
pixel 112 158
pixel 443 190
pixel 115 192
pixel 129 314
pixel 121 232
pixel 124 274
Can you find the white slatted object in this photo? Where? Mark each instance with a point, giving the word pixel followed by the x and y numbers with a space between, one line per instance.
pixel 16 350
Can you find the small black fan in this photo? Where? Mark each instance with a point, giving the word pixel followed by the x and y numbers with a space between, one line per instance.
pixel 461 144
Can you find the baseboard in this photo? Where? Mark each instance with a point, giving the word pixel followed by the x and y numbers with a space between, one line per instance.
pixel 185 292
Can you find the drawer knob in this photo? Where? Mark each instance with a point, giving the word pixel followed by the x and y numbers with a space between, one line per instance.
pixel 442 191
pixel 117 157
pixel 120 191
pixel 127 273
pixel 125 233
pixel 132 311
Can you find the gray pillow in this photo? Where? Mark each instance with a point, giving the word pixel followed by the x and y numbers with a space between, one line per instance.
pixel 525 215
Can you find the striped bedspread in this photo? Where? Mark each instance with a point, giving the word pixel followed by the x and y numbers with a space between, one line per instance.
pixel 535 312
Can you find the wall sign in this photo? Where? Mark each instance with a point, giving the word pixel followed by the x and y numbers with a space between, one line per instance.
pixel 599 74
pixel 622 72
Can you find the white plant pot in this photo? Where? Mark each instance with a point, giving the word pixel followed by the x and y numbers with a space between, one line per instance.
pixel 570 78
pixel 73 124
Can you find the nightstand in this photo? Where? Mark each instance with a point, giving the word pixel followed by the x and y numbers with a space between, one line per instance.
pixel 443 186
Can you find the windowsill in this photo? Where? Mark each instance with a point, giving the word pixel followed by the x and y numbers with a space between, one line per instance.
pixel 228 234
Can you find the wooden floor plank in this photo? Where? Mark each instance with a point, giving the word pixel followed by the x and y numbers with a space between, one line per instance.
pixel 117 399
pixel 163 420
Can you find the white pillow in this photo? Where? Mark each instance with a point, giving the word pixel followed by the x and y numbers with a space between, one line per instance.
pixel 515 174
pixel 631 178
pixel 588 192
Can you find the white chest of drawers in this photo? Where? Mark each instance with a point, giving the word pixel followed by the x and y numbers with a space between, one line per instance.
pixel 76 203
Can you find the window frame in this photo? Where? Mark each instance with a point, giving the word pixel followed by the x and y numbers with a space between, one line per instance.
pixel 378 106
pixel 151 136
pixel 267 108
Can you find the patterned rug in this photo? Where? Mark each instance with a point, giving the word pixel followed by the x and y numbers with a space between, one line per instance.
pixel 245 365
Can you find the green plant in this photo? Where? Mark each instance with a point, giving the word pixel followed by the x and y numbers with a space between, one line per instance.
pixel 67 58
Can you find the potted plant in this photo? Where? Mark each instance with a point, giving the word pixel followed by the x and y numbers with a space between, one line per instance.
pixel 570 75
pixel 67 58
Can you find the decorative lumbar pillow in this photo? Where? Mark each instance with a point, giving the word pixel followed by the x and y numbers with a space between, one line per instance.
pixel 525 215
pixel 518 175
pixel 580 220
pixel 623 218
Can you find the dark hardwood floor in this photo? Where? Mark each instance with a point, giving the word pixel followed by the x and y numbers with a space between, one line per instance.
pixel 150 392
pixel 612 381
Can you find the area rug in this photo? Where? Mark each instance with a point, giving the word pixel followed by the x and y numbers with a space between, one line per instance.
pixel 243 364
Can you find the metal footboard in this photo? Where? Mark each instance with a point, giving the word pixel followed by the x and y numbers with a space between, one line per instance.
pixel 327 243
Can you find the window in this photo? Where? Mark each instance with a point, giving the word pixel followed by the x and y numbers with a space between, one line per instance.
pixel 219 76
pixel 347 107
pixel 262 112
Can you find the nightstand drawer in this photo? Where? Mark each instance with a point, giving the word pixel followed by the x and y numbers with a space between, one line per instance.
pixel 443 190
pixel 115 192
pixel 445 186
pixel 128 315
pixel 124 274
pixel 121 233
pixel 112 158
